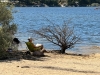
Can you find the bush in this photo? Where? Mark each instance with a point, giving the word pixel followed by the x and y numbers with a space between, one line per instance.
pixel 7 29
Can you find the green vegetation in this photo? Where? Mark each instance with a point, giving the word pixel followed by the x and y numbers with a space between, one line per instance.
pixel 83 2
pixel 7 29
pixel 53 3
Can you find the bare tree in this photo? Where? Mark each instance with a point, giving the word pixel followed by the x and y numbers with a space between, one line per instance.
pixel 60 35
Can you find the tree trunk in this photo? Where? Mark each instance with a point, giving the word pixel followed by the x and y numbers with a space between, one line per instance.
pixel 63 50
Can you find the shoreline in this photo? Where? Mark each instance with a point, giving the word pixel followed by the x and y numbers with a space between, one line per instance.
pixel 67 53
pixel 83 50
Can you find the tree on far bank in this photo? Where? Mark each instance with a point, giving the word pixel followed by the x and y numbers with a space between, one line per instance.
pixel 7 29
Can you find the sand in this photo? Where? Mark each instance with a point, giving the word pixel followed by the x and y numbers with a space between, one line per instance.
pixel 53 64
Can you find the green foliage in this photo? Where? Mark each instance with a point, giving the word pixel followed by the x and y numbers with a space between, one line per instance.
pixel 7 29
pixel 83 2
pixel 56 2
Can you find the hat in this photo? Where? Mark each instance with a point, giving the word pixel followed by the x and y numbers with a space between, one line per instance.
pixel 29 38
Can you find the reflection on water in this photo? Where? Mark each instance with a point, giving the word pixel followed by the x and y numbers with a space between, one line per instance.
pixel 84 19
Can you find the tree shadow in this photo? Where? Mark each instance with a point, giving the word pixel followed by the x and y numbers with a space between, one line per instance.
pixel 67 69
pixel 18 56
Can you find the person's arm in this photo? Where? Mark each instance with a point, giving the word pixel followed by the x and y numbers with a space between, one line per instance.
pixel 36 46
pixel 33 45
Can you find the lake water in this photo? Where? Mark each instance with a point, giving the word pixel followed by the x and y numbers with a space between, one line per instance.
pixel 86 21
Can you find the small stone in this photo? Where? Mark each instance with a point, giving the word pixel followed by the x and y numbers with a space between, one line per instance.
pixel 17 66
pixel 25 67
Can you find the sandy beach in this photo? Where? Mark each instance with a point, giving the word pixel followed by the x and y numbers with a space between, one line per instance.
pixel 53 64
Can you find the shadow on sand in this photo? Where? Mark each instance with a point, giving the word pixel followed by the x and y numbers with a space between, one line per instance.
pixel 67 69
pixel 19 55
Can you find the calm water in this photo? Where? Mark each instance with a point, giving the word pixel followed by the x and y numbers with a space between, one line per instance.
pixel 86 22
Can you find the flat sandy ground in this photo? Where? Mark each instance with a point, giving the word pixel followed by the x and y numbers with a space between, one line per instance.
pixel 53 64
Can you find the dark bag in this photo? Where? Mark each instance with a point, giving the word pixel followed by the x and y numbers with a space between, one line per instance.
pixel 16 40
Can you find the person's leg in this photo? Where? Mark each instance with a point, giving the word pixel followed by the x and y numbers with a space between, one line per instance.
pixel 42 47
